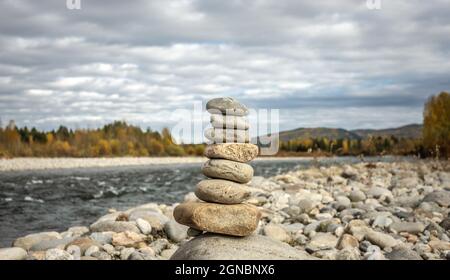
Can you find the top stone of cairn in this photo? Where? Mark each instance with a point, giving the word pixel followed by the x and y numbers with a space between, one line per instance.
pixel 226 106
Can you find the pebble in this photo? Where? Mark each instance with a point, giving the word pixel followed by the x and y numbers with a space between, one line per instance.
pixel 402 253
pixel 75 251
pixel 381 239
pixel 322 241
pixel 127 239
pixel 144 226
pixel 57 254
pixel 357 195
pixel 192 232
pixel 115 226
pixel 348 254
pixel 83 243
pixel 91 250
pixel 347 241
pixel 410 227
pixel 175 231
pixel 440 197
pixel 276 232
pixel 102 237
pixel 125 253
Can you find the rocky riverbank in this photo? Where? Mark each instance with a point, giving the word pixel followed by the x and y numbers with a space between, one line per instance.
pixel 21 164
pixel 370 211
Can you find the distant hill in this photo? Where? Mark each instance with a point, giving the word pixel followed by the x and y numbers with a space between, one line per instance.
pixel 412 131
pixel 319 132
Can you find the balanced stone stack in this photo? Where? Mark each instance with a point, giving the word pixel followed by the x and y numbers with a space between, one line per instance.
pixel 223 210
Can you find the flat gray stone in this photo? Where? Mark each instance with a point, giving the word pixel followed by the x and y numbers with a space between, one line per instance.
pixel 44 245
pixel 440 197
pixel 226 106
pixel 254 247
pixel 410 227
pixel 115 226
pixel 28 241
pixel 402 253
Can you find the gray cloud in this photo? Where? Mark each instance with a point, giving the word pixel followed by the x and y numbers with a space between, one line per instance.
pixel 322 63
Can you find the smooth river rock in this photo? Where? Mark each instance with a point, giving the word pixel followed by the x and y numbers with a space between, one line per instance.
pixel 241 152
pixel 440 197
pixel 236 219
pixel 222 191
pixel 410 227
pixel 30 240
pixel 115 226
pixel 228 170
pixel 219 135
pixel 12 254
pixel 254 247
pixel 226 106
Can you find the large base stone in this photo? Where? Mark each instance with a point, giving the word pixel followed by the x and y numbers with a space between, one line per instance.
pixel 254 247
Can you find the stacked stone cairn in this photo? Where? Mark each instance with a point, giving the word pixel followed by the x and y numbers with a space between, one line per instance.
pixel 222 210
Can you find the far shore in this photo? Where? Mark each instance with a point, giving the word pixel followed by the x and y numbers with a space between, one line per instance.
pixel 21 164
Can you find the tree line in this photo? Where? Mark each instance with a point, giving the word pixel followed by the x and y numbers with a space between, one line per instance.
pixel 115 139
pixel 122 139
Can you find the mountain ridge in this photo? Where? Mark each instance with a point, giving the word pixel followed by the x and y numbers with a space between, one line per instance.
pixel 412 131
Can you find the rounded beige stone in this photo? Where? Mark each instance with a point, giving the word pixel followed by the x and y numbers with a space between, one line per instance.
pixel 236 219
pixel 228 170
pixel 241 152
pixel 222 191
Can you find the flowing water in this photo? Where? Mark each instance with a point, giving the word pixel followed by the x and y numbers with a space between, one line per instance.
pixel 53 200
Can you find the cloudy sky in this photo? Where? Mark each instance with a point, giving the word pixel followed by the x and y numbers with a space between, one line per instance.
pixel 322 63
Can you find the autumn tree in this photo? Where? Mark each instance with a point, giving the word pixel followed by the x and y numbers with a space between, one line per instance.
pixel 436 125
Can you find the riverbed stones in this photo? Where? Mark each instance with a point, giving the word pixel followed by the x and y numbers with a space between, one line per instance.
pixel 222 191
pixel 228 170
pixel 235 219
pixel 240 152
pixel 253 247
pixel 226 106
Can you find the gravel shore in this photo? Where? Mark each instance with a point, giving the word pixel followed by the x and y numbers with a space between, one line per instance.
pixel 365 211
pixel 20 164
